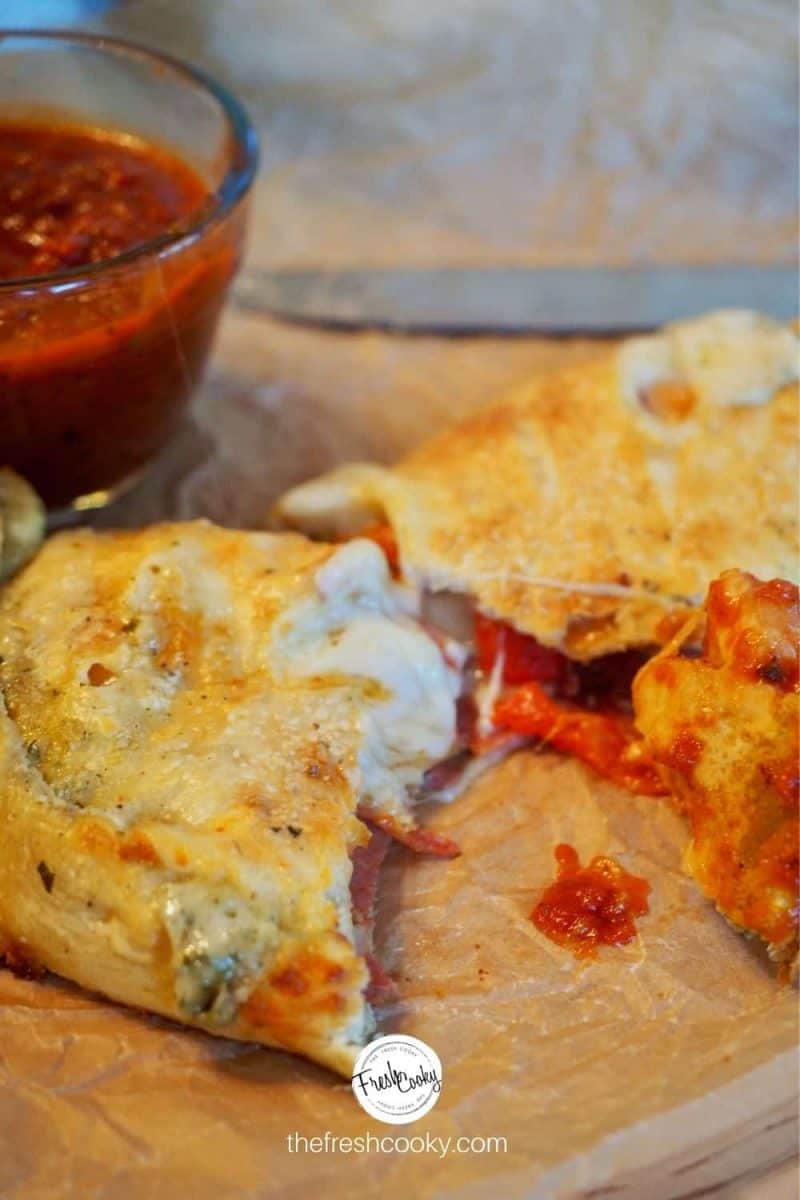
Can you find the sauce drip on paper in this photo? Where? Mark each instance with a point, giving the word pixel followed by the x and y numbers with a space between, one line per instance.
pixel 590 906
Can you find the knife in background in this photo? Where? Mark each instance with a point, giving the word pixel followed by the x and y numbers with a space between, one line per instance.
pixel 507 300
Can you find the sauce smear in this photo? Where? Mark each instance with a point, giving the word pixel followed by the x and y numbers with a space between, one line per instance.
pixel 590 906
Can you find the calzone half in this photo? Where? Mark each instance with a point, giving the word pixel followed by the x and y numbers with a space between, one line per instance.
pixel 566 530
pixel 194 722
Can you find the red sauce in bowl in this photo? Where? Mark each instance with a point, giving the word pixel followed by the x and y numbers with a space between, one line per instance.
pixel 96 366
pixel 70 197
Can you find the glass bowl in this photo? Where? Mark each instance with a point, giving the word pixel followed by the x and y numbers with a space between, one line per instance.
pixel 98 362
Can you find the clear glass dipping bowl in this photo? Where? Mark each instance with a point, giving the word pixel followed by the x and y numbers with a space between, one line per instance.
pixel 97 363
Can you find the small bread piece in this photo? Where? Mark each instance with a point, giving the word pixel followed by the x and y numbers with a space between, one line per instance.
pixel 593 502
pixel 22 522
pixel 190 718
pixel 721 720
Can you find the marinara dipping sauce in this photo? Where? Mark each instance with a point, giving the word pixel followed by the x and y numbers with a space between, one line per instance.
pixel 111 283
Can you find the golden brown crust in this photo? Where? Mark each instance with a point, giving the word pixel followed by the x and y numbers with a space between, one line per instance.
pixel 592 503
pixel 177 809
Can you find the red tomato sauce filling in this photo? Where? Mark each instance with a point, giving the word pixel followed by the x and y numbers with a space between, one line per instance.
pixel 606 741
pixel 753 626
pixel 583 709
pixel 591 906
pixel 577 708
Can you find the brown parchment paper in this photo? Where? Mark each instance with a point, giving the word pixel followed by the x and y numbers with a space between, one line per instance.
pixel 551 1054
pixel 659 1069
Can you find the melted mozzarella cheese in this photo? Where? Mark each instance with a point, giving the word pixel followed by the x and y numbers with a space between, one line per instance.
pixel 731 358
pixel 487 695
pixel 413 723
pixel 735 358
pixel 364 629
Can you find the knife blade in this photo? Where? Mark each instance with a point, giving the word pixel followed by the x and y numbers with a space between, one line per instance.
pixel 515 300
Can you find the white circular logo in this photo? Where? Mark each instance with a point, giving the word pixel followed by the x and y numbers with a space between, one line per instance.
pixel 397 1079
